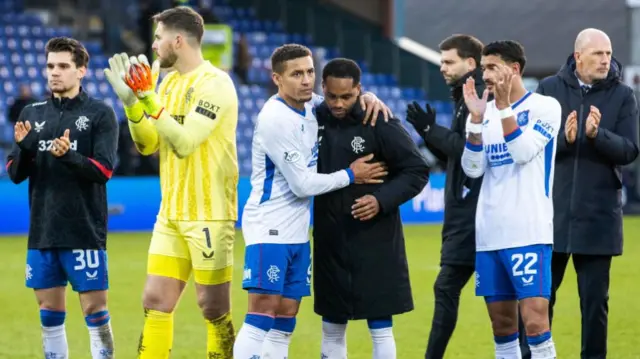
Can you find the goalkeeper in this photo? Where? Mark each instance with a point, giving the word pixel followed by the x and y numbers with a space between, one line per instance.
pixel 192 122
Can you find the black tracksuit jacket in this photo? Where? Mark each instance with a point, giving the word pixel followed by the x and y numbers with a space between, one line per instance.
pixel 67 195
pixel 360 267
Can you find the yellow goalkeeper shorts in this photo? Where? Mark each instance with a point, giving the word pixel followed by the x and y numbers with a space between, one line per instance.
pixel 204 247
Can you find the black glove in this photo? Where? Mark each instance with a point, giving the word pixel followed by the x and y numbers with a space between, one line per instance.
pixel 419 119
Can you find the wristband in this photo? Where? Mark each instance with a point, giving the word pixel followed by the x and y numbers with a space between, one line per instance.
pixel 475 128
pixel 506 113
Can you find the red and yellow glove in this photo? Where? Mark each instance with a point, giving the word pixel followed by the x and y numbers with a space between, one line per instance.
pixel 141 79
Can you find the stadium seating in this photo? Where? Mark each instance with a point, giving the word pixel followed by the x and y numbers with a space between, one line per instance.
pixel 22 39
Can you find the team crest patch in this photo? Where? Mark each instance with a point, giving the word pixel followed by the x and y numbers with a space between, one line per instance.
pixel 523 118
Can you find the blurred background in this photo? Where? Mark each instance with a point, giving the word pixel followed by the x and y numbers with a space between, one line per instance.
pixel 394 41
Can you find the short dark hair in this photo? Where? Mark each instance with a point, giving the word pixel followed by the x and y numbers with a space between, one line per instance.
pixel 285 53
pixel 182 18
pixel 343 69
pixel 79 54
pixel 467 46
pixel 510 51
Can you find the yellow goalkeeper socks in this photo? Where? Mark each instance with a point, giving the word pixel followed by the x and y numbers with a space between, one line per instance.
pixel 157 336
pixel 220 337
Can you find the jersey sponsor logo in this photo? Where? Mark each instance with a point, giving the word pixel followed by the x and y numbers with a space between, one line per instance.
pixel 292 156
pixel 46 145
pixel 357 144
pixel 207 109
pixel 522 118
pixel 40 126
pixel 544 129
pixel 498 154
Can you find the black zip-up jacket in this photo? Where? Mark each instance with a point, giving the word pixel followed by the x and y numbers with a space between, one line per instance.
pixel 587 190
pixel 461 192
pixel 360 267
pixel 67 195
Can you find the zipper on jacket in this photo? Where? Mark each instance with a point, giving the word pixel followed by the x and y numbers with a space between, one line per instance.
pixel 575 173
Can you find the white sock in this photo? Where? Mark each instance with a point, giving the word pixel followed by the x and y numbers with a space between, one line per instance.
pixel 276 345
pixel 54 342
pixel 508 348
pixel 542 350
pixel 249 342
pixel 384 345
pixel 101 342
pixel 100 335
pixel 334 341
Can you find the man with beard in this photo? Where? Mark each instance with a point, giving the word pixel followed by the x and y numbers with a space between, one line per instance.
pixel 360 270
pixel 66 148
pixel 598 137
pixel 460 61
pixel 192 121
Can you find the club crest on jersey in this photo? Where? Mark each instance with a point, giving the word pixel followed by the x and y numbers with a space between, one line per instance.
pixel 523 118
pixel 292 156
pixel 357 144
pixel 82 123
pixel 40 126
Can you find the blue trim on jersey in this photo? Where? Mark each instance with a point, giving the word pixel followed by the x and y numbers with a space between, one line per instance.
pixel 352 176
pixel 270 171
pixel 548 156
pixel 513 135
pixel 521 100
pixel 302 112
pixel 473 147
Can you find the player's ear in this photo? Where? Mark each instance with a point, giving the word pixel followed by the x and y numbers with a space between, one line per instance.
pixel 276 78
pixel 82 71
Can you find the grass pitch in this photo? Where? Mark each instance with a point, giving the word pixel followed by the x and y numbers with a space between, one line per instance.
pixel 20 330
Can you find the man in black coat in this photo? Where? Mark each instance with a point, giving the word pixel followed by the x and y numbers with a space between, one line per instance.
pixel 599 136
pixel 360 265
pixel 460 60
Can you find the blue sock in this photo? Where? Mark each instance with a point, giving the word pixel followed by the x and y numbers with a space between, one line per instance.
pixel 260 321
pixel 50 318
pixel 97 319
pixel 539 339
pixel 54 336
pixel 285 324
pixel 380 323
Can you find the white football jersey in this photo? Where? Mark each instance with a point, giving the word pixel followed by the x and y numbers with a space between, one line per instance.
pixel 515 207
pixel 284 178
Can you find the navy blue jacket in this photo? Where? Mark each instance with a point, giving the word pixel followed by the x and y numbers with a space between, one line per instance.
pixel 67 194
pixel 587 189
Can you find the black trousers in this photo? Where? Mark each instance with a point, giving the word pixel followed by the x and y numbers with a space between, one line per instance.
pixel 447 288
pixel 593 288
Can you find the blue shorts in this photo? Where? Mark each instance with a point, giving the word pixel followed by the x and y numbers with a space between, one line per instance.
pixel 514 273
pixel 85 269
pixel 283 269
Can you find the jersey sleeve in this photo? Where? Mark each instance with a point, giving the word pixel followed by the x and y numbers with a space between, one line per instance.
pixel 143 133
pixel 525 145
pixel 283 146
pixel 474 161
pixel 214 101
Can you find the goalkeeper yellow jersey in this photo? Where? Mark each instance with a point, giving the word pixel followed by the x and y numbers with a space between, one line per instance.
pixel 197 144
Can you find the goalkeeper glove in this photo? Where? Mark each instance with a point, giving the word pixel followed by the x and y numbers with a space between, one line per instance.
pixel 141 79
pixel 115 74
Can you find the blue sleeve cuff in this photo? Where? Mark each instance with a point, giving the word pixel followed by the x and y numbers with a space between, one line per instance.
pixel 473 147
pixel 352 177
pixel 513 135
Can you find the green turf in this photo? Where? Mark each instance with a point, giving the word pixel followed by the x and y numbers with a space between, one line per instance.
pixel 20 334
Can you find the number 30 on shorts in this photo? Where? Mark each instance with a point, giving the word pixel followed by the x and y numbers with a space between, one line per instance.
pixel 528 260
pixel 86 258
